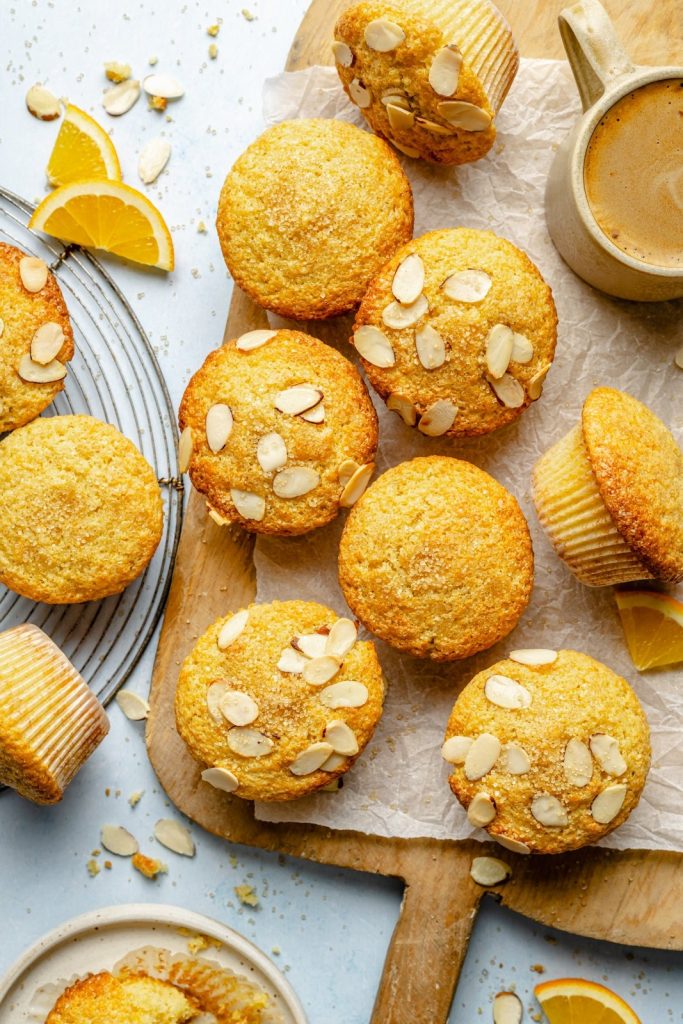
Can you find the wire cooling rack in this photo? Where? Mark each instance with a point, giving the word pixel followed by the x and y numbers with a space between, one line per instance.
pixel 114 376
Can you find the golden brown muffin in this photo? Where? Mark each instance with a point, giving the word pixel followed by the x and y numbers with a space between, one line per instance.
pixel 280 436
pixel 279 699
pixel 135 999
pixel 428 76
pixel 550 751
pixel 309 213
pixel 466 345
pixel 50 721
pixel 33 320
pixel 80 507
pixel 610 494
pixel 436 559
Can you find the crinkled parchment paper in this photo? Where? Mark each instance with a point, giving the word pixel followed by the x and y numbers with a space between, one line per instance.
pixel 399 787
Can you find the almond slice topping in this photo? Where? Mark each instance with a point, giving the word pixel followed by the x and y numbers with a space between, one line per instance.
pixel 444 73
pixel 298 399
pixel 438 418
pixel 409 279
pixel 536 383
pixel 42 103
pixel 489 871
pixel 482 756
pixel 400 119
pixel 249 742
pixel 433 126
pixel 271 452
pixel 481 810
pixel 467 285
pixel 404 407
pixel 522 349
pixel 515 759
pixel 295 481
pixel 232 629
pixel 341 638
pixel 253 339
pixel 344 695
pixel 361 96
pixel 311 759
pixel 333 762
pixel 47 343
pixel 383 35
pixel 221 778
pixel 533 657
pixel 513 845
pixel 320 670
pixel 165 86
pixel 608 804
pixel 577 763
pixel 398 316
pixel 120 98
pixel 455 749
pixel 291 662
pixel 248 504
pixel 548 811
pixel 118 840
pixel 396 97
pixel 218 426
pixel 507 693
pixel 605 750
pixel 239 708
pixel 407 150
pixel 311 644
pixel 430 347
pixel 499 342
pixel 35 373
pixel 314 415
pixel 343 54
pixel 342 738
pixel 185 448
pixel 507 1008
pixel 464 115
pixel 214 696
pixel 33 273
pixel 356 486
pixel 508 390
pixel 346 471
pixel 374 346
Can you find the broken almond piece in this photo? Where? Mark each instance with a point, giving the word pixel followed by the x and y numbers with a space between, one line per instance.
pixel 404 407
pixel 361 96
pixel 455 749
pixel 346 471
pixel 319 671
pixel 481 810
pixel 185 448
pixel 271 452
pixel 314 415
pixel 400 119
pixel 42 104
pixel 342 53
pixel 467 285
pixel 507 1008
pixel 548 811
pixel 356 485
pixel 605 750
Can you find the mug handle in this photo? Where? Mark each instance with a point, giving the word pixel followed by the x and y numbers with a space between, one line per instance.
pixel 595 54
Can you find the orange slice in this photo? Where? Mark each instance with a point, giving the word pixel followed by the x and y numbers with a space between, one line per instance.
pixel 575 1001
pixel 82 149
pixel 107 215
pixel 653 626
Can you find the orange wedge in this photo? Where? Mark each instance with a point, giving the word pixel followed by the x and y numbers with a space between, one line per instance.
pixel 82 149
pixel 107 215
pixel 653 626
pixel 575 1001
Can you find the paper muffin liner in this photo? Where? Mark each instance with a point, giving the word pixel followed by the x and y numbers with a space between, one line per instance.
pixel 574 515
pixel 50 721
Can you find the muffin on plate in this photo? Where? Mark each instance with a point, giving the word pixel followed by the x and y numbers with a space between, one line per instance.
pixel 610 494
pixel 36 338
pixel 278 432
pixel 550 750
pixel 278 700
pixel 135 999
pixel 457 332
pixel 436 559
pixel 309 213
pixel 50 721
pixel 80 507
pixel 428 75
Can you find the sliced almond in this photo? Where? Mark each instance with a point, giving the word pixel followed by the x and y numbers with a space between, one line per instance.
pixel 536 383
pixel 314 415
pixel 508 390
pixel 33 273
pixel 577 763
pixel 404 407
pixel 333 762
pixel 409 279
pixel 344 695
pixel 219 423
pixel 361 96
pixel 239 708
pixel 482 756
pixel 311 759
pixel 152 160
pixel 548 811
pixel 217 518
pixel 35 373
pixel 400 119
pixel 433 126
pixel 507 1008
pixel 134 707
pixel 185 449
pixel 165 86
pixel 430 347
pixel 481 810
pixel 47 343
pixel 249 742
pixel 467 285
pixel 444 72
pixel 271 452
pixel 232 629
pixel 214 696
pixel 464 115
pixel 608 804
pixel 311 644
pixel 221 778
pixel 42 103
pixel 253 339
pixel 248 504
pixel 295 481
pixel 297 399
pixel 455 749
pixel 522 349
pixel 398 316
pixel 291 662
pixel 383 35
pixel 507 693
pixel 395 98
pixel 343 54
pixel 118 840
pixel 499 342
pixel 374 346
pixel 605 750
pixel 489 871
pixel 438 418
pixel 174 836
pixel 408 150
pixel 514 845
pixel 534 657
pixel 342 738
pixel 515 759
pixel 319 671
pixel 120 98
pixel 356 486
pixel 341 638
pixel 346 471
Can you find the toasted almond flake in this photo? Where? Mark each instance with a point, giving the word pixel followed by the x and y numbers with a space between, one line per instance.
pixel 239 708
pixel 430 347
pixel 271 452
pixel 433 126
pixel 248 504
pixel 311 759
pixel 608 804
pixel 232 629
pixel 35 373
pixel 361 96
pixel 314 415
pixel 506 693
pixel 398 316
pixel 297 399
pixel 400 119
pixel 534 656
pixel 174 836
pixel 438 418
pixel 605 750
pixel 507 1009
pixel 444 72
pixel 407 150
pixel 185 449
pixel 499 342
pixel 333 762
pixel 346 471
pixel 482 756
pixel 343 54
pixel 489 871
pixel 455 749
pixel 221 778
pixel 481 810
pixel 514 845
pixel 464 115
pixel 219 423
pixel 133 706
pixel 409 279
pixel 33 273
pixel 404 407
pixel 120 98
pixel 374 346
pixel 118 840
pixel 249 742
pixel 548 811
pixel 165 86
pixel 356 486
pixel 295 481
pixel 116 71
pixel 515 759
pixel 508 390
pixel 46 343
pixel 536 383
pixel 347 694
pixel 383 35
pixel 253 339
pixel 577 763
pixel 152 160
pixel 522 349
pixel 320 670
pixel 467 285
pixel 396 99
pixel 42 103
pixel 341 737
pixel 341 638
pixel 311 644
pixel 214 696
pixel 291 662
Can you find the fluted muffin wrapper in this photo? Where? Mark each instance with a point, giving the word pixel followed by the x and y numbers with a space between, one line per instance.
pixel 575 517
pixel 50 720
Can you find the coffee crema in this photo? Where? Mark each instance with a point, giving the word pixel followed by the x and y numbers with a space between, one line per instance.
pixel 633 173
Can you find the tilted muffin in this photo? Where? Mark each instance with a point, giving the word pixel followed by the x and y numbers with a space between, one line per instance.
pixel 278 432
pixel 436 559
pixel 50 721
pixel 36 339
pixel 279 699
pixel 309 213
pixel 457 332
pixel 128 1000
pixel 429 75
pixel 550 750
pixel 80 507
pixel 610 494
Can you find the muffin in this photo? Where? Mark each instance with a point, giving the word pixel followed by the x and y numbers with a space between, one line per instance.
pixel 550 751
pixel 610 494
pixel 80 507
pixel 277 700
pixel 428 76
pixel 278 432
pixel 36 339
pixel 50 722
pixel 134 999
pixel 436 559
pixel 308 215
pixel 457 332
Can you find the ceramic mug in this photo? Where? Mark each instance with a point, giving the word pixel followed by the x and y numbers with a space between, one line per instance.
pixel 604 74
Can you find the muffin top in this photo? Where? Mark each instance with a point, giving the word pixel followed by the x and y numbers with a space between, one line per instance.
pixel 550 751
pixel 132 999
pixel 80 507
pixel 276 432
pixel 36 339
pixel 457 332
pixel 638 467
pixel 436 559
pixel 280 697
pixel 309 213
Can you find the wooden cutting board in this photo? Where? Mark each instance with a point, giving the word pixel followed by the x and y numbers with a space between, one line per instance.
pixel 631 897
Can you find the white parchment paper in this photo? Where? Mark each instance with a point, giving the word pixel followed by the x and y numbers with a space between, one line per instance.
pixel 399 787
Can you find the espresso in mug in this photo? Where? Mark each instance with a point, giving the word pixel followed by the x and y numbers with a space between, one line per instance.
pixel 633 173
